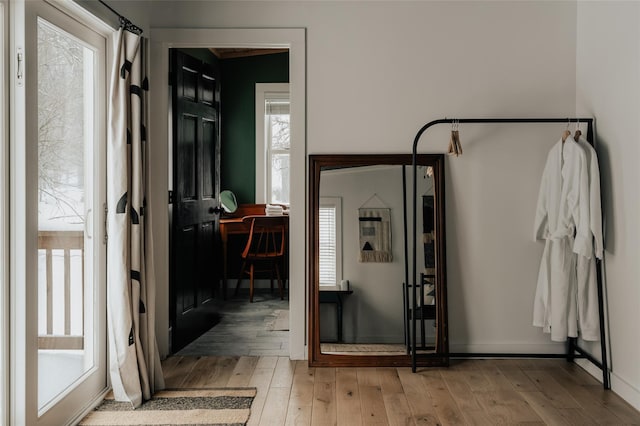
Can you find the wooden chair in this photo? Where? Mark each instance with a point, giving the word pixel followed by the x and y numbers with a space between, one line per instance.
pixel 264 251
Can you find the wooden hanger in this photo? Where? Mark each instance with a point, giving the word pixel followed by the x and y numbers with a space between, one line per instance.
pixel 567 132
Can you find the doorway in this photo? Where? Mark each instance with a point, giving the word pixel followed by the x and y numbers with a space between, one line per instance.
pixel 292 39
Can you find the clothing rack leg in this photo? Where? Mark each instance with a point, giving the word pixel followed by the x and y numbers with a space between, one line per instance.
pixel 603 339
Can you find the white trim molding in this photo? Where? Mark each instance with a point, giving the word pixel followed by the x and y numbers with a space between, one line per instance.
pixel 294 39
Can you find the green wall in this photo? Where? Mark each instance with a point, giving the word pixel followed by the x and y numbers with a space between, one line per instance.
pixel 237 97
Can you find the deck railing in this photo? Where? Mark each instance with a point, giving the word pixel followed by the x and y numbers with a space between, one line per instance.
pixel 55 245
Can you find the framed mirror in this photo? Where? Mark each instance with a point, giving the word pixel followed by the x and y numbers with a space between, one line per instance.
pixel 361 240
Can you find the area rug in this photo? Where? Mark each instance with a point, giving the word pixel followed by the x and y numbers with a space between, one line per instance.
pixel 279 321
pixel 220 407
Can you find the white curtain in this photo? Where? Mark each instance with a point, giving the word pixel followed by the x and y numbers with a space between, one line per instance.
pixel 135 368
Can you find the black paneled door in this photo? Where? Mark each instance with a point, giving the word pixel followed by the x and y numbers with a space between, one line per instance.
pixel 196 187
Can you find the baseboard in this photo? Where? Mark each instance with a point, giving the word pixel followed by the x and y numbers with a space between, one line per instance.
pixel 510 348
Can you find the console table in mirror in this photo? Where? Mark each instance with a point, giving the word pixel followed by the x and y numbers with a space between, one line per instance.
pixel 360 307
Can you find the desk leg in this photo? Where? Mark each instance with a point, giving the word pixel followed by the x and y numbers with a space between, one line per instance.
pixel 225 271
pixel 339 313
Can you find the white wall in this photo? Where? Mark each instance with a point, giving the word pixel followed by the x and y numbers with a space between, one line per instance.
pixel 608 87
pixel 377 71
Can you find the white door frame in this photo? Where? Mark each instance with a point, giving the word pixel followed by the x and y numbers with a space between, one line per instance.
pixel 295 40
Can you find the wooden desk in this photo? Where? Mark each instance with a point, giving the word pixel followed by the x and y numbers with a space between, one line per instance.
pixel 334 295
pixel 234 225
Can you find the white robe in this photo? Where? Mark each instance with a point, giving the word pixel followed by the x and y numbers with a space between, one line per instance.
pixel 562 220
pixel 588 315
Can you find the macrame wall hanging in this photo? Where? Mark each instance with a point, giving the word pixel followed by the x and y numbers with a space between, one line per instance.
pixel 375 232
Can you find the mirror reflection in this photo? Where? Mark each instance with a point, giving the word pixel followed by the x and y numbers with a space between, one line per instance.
pixel 362 264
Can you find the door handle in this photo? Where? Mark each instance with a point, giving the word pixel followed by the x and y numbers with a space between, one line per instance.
pixel 87 227
pixel 215 210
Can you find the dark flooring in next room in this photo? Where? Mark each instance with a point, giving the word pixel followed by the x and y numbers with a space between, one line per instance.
pixel 246 329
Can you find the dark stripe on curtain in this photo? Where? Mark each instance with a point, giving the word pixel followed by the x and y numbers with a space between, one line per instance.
pixel 122 204
pixel 135 219
pixel 135 275
pixel 135 90
pixel 126 68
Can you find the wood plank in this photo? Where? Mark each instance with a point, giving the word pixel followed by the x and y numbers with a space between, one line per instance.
pixel 390 381
pixel 241 375
pixel 507 407
pixel 459 389
pixel 395 401
pixel 324 401
pixel 418 399
pixel 544 408
pixel 552 389
pixel 267 362
pixel 283 374
pixel 348 405
pixel 443 402
pixel 576 417
pixel 458 386
pixel 519 380
pixel 325 374
pixel 497 380
pixel 368 377
pixel 301 397
pixel 274 412
pixel 590 400
pixel 371 400
pixel 261 379
pixel 180 368
pixel 210 372
pixel 298 416
pixel 397 408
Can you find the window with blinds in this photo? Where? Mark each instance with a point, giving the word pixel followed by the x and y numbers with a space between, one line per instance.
pixel 330 258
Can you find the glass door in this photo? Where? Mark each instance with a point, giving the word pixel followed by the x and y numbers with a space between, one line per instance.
pixel 65 140
pixel 4 262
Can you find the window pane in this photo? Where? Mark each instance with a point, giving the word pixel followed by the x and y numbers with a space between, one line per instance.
pixel 279 131
pixel 66 81
pixel 280 178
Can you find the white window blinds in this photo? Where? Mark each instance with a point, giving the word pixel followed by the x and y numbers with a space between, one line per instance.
pixel 327 230
pixel 330 250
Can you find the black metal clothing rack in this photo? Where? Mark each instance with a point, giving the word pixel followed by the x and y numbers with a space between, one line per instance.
pixel 573 350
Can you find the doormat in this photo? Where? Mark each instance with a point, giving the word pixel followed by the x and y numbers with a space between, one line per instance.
pixel 280 322
pixel 207 406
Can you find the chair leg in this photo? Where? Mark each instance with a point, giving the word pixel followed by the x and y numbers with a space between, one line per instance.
pixel 271 278
pixel 279 282
pixel 251 269
pixel 242 271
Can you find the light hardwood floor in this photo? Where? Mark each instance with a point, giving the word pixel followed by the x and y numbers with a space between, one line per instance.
pixel 469 392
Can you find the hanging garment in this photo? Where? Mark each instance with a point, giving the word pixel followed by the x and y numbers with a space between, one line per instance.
pixel 562 220
pixel 588 317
